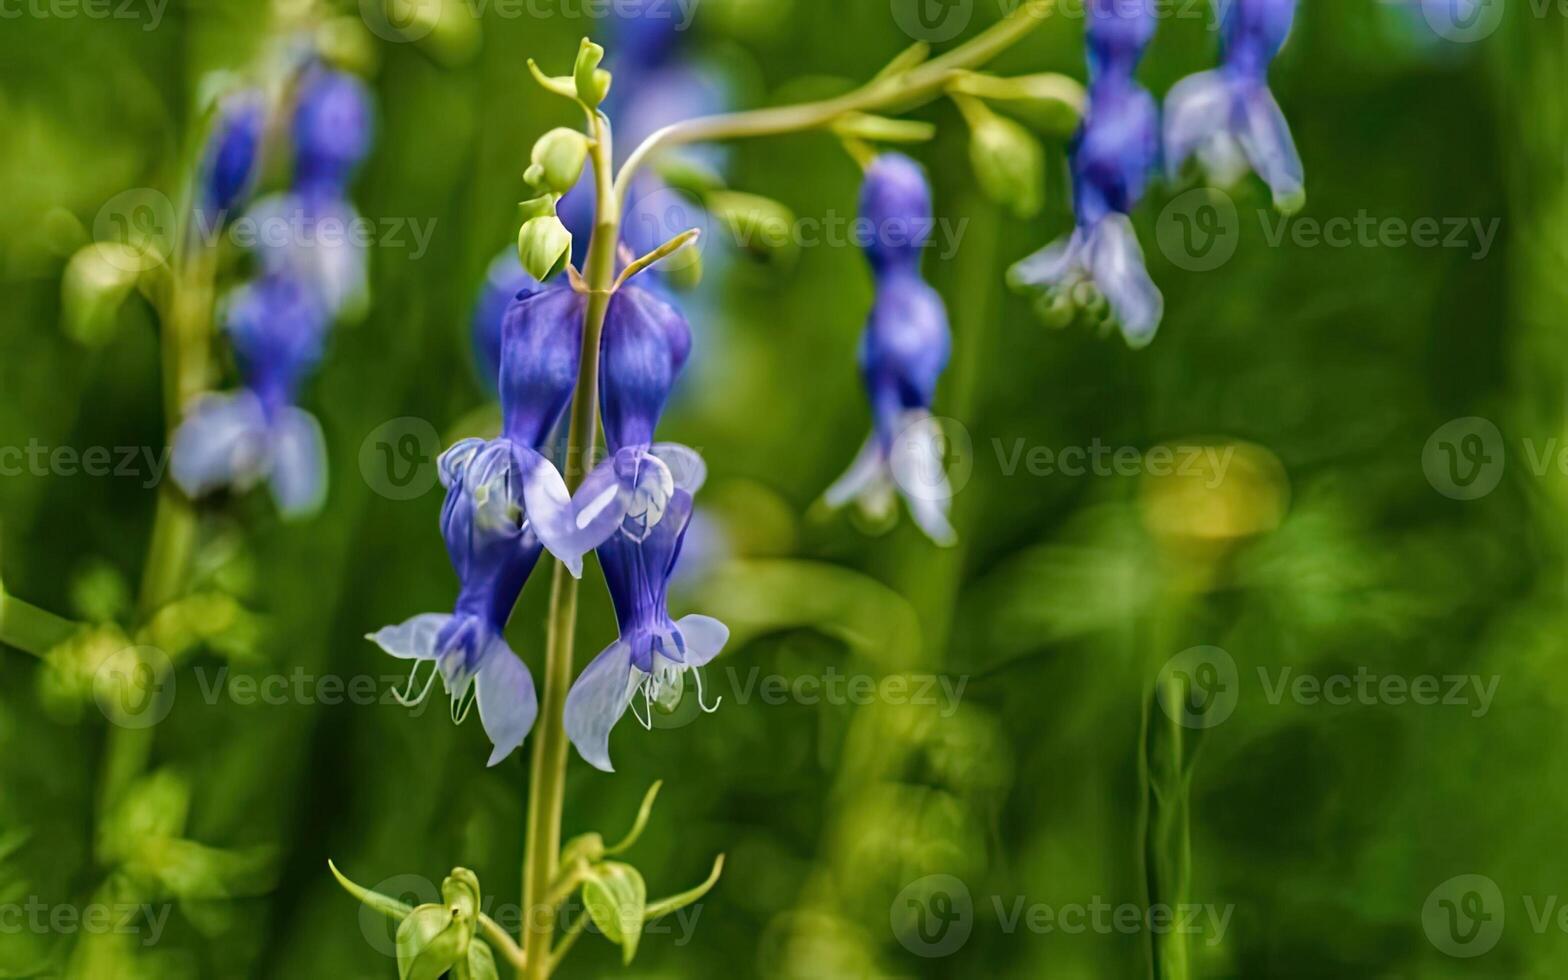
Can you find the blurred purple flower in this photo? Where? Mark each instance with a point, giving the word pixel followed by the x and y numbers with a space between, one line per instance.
pixel 228 170
pixel 332 129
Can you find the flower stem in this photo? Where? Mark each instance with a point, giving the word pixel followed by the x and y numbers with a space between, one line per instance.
pixel 548 776
pixel 900 89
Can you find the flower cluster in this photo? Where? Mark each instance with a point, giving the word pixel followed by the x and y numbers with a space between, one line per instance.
pixel 903 352
pixel 1227 118
pixel 277 323
pixel 506 503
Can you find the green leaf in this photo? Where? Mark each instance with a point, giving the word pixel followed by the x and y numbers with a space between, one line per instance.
pixel 389 907
pixel 562 85
pixel 640 823
pixel 616 898
pixel 665 906
pixel 429 942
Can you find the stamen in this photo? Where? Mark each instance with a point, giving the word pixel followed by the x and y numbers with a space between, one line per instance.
pixel 706 710
pixel 466 702
pixel 408 700
pixel 647 723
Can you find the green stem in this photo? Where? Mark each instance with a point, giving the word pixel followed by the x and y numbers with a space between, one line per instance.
pixel 920 84
pixel 548 776
pixel 31 629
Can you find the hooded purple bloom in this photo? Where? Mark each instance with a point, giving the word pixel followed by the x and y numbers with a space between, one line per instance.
pixel 332 129
pixel 229 168
pixel 1112 156
pixel 1228 118
pixel 903 352
pixel 278 330
pixel 505 281
pixel 503 499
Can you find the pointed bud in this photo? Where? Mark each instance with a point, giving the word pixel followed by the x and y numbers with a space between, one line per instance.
pixel 593 82
pixel 429 942
pixel 558 160
pixel 544 246
pixel 1009 162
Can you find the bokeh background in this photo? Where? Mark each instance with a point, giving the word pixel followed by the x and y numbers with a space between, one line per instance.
pixel 1327 836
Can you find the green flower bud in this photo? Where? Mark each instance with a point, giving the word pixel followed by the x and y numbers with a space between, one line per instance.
pixel 461 891
pixel 593 82
pixel 1009 162
pixel 558 160
pixel 96 282
pixel 430 942
pixel 617 899
pixel 544 246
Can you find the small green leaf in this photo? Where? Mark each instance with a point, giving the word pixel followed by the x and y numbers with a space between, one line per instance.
pixel 592 82
pixel 562 85
pixel 389 907
pixel 638 825
pixel 616 898
pixel 665 906
pixel 429 942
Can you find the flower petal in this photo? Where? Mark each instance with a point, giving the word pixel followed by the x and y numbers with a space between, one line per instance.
pixel 1116 260
pixel 705 638
pixel 597 701
pixel 223 441
pixel 1049 267
pixel 568 529
pixel 867 475
pixel 411 640
pixel 685 463
pixel 916 465
pixel 1196 110
pixel 1265 138
pixel 507 702
pixel 299 463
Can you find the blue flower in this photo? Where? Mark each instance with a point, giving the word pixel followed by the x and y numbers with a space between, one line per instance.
pixel 315 235
pixel 493 553
pixel 653 652
pixel 505 281
pixel 1113 154
pixel 278 329
pixel 229 168
pixel 332 128
pixel 903 352
pixel 1228 118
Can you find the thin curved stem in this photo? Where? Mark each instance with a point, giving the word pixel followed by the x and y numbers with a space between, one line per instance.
pixel 919 84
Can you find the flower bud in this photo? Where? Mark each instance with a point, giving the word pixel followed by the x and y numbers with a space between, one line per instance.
pixel 544 246
pixel 558 160
pixel 96 282
pixel 1009 163
pixel 430 941
pixel 593 82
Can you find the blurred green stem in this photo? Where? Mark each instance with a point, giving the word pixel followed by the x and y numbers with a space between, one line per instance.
pixel 29 628
pixel 548 776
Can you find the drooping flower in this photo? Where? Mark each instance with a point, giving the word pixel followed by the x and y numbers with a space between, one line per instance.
pixel 278 329
pixel 1228 118
pixel 1113 154
pixel 493 554
pixel 500 495
pixel 229 167
pixel 903 352
pixel 332 129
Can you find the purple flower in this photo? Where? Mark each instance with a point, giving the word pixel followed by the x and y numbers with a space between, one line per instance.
pixel 229 168
pixel 1113 154
pixel 312 235
pixel 1228 118
pixel 653 652
pixel 903 352
pixel 505 281
pixel 332 129
pixel 493 554
pixel 278 329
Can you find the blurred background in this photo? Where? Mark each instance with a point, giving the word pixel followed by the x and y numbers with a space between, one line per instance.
pixel 1325 509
